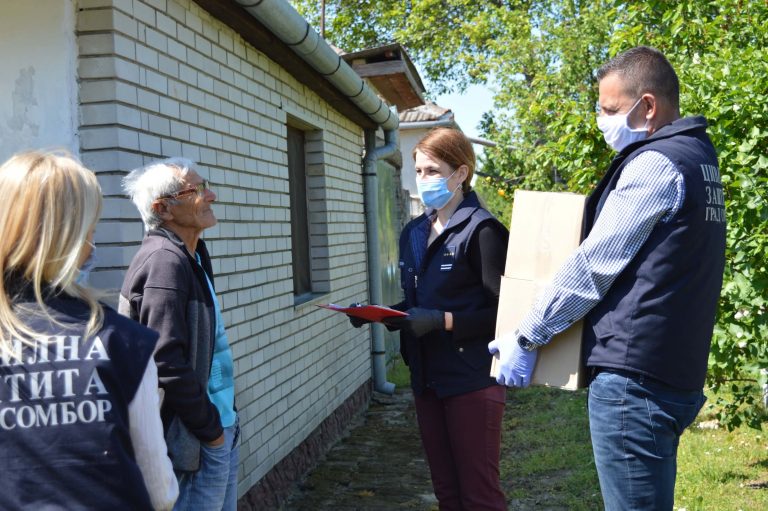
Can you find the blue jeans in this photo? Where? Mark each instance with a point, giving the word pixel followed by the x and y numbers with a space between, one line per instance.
pixel 636 425
pixel 214 486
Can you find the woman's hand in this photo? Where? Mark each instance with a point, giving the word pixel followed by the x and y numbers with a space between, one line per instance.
pixel 419 322
pixel 354 320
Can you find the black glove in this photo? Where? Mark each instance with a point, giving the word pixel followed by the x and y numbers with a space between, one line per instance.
pixel 354 320
pixel 418 322
pixel 390 326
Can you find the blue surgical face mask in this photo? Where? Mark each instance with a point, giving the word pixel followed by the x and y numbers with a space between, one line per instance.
pixel 617 132
pixel 434 192
pixel 88 265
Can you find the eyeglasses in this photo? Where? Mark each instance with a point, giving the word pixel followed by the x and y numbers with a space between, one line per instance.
pixel 199 189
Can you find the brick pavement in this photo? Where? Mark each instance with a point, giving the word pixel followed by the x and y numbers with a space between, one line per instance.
pixel 379 466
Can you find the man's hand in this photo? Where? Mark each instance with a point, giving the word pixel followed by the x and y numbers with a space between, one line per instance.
pixel 217 442
pixel 354 320
pixel 418 322
pixel 515 364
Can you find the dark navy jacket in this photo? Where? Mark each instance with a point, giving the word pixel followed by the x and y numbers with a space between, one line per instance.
pixel 64 432
pixel 166 290
pixel 657 318
pixel 446 281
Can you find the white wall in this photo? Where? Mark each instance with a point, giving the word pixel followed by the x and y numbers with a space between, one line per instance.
pixel 38 92
pixel 408 140
pixel 163 78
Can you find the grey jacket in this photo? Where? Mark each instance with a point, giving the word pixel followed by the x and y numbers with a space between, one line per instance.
pixel 165 289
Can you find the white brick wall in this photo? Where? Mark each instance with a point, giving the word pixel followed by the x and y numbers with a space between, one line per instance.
pixel 162 78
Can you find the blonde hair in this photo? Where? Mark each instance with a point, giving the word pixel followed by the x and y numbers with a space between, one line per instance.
pixel 49 203
pixel 451 146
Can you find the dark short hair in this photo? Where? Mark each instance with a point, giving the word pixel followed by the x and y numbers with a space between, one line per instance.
pixel 644 70
pixel 451 146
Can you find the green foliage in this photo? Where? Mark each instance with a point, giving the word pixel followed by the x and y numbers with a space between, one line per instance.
pixel 719 51
pixel 546 132
pixel 493 193
pixel 540 56
pixel 454 40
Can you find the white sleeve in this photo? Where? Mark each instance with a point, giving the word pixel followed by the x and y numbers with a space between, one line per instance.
pixel 146 430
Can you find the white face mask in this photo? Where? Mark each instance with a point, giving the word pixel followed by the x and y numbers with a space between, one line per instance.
pixel 617 132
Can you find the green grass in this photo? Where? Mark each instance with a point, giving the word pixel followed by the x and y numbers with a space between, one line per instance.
pixel 398 373
pixel 546 455
pixel 546 458
pixel 721 470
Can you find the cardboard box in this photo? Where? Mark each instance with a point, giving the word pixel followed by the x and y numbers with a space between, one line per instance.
pixel 545 230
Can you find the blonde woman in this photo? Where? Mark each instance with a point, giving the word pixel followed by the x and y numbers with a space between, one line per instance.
pixel 79 417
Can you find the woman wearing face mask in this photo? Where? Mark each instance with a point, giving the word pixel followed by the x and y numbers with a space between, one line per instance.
pixel 451 261
pixel 79 416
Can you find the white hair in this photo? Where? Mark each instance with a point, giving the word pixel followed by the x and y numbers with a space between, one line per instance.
pixel 145 185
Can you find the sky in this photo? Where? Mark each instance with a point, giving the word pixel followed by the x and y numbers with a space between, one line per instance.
pixel 468 107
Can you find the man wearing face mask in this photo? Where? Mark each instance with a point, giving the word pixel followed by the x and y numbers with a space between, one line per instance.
pixel 451 261
pixel 646 279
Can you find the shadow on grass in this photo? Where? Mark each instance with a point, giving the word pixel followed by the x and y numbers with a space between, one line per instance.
pixel 546 451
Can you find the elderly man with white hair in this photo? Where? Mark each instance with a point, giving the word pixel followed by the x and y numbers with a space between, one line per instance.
pixel 169 288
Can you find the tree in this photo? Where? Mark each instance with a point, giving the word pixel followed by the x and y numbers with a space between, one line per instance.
pixel 541 56
pixel 719 51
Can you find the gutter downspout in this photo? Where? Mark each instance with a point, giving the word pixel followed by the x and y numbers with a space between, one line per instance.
pixel 371 189
pixel 413 125
pixel 291 28
pixel 286 24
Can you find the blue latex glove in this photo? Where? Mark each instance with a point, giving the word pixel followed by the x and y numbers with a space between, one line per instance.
pixel 516 364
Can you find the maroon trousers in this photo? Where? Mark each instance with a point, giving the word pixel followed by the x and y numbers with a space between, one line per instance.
pixel 462 439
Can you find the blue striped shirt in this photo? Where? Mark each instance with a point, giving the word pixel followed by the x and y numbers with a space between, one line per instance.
pixel 650 190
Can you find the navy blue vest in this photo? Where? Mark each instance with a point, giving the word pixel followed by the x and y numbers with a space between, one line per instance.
pixel 64 432
pixel 657 318
pixel 446 281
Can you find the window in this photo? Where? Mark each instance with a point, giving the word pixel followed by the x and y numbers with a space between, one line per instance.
pixel 307 185
pixel 297 187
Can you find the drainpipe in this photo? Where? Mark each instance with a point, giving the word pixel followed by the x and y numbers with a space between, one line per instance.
pixel 371 190
pixel 285 23
pixel 442 123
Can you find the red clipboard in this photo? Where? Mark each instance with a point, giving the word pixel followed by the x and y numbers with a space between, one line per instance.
pixel 369 312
